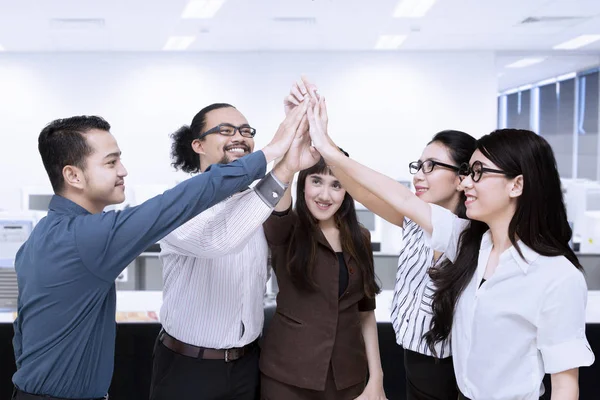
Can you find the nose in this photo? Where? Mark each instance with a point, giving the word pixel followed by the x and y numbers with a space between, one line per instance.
pixel 324 194
pixel 420 175
pixel 467 182
pixel 122 172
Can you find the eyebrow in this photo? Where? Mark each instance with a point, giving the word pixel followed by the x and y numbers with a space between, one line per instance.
pixel 115 154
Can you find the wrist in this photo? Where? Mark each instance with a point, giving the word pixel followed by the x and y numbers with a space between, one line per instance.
pixel 283 173
pixel 270 153
pixel 376 378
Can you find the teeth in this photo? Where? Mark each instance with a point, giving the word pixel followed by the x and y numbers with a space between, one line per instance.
pixel 322 205
pixel 237 150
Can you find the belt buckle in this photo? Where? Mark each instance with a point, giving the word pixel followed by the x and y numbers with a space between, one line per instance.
pixel 233 354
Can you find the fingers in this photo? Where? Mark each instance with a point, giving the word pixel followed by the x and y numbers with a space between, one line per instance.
pixel 323 109
pixel 295 117
pixel 303 127
pixel 296 93
pixel 302 88
pixel 291 99
pixel 310 87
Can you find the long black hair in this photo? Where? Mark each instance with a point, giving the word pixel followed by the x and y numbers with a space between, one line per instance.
pixel 539 221
pixel 183 155
pixel 461 146
pixel 302 249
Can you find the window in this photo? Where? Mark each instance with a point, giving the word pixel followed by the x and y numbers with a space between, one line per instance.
pixel 557 114
pixel 518 110
pixel 587 126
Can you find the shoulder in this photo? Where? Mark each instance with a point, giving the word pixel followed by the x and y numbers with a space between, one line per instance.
pixel 560 271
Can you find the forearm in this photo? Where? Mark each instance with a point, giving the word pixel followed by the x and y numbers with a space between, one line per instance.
pixel 369 332
pixel 565 385
pixel 398 196
pixel 368 199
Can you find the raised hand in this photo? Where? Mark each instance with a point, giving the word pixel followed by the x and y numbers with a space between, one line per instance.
pixel 301 154
pixel 284 136
pixel 318 119
pixel 300 91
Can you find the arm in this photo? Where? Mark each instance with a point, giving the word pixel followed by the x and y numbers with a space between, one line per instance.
pixel 107 242
pixel 565 385
pixel 217 233
pixel 561 333
pixel 368 199
pixel 398 196
pixel 18 338
pixel 374 389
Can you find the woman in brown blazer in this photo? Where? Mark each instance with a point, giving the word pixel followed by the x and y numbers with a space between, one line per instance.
pixel 322 340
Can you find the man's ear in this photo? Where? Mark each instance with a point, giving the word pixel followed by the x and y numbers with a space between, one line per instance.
pixel 73 177
pixel 198 146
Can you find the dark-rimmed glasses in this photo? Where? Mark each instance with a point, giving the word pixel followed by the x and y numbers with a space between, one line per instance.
pixel 428 166
pixel 476 170
pixel 229 130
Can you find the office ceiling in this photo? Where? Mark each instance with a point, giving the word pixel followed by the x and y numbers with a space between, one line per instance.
pixel 513 28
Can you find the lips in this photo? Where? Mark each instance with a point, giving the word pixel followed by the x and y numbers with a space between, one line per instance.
pixel 470 199
pixel 237 148
pixel 322 206
pixel 420 190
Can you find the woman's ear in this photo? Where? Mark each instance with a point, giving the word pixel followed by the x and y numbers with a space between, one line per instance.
pixel 516 186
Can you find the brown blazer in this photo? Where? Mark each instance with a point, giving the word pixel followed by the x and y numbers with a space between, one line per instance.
pixel 311 329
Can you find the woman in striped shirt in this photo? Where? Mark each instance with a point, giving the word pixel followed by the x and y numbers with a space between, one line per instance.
pixel 435 180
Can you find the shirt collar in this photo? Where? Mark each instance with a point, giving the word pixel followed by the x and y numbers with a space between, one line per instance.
pixel 529 254
pixel 63 205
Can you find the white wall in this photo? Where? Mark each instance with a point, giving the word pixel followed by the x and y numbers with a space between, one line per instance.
pixel 383 106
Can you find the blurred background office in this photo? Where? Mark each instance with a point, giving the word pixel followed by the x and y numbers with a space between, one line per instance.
pixel 394 73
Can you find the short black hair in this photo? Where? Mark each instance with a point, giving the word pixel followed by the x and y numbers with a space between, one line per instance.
pixel 182 155
pixel 62 143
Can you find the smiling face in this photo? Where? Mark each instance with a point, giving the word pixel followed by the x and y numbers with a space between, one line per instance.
pixel 219 149
pixel 102 182
pixel 494 197
pixel 323 195
pixel 439 185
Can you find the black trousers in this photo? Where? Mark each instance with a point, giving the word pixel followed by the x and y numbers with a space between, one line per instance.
pixel 428 378
pixel 175 376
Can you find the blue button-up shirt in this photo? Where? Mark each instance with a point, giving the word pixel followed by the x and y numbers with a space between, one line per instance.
pixel 65 330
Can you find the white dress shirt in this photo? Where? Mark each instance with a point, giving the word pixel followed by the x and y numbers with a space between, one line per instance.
pixel 528 319
pixel 215 272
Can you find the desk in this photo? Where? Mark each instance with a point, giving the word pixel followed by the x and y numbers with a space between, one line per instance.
pixel 135 341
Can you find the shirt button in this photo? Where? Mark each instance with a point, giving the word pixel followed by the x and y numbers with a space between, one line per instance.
pixel 275 195
pixel 351 270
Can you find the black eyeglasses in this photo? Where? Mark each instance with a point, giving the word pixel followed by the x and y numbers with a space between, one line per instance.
pixel 476 170
pixel 428 166
pixel 229 130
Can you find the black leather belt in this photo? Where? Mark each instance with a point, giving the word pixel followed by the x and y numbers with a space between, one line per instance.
pixel 189 350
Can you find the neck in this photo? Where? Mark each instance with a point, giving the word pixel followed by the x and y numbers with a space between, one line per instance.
pixel 84 202
pixel 451 205
pixel 328 224
pixel 499 231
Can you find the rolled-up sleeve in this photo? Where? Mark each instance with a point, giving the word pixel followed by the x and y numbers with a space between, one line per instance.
pixel 447 228
pixel 561 326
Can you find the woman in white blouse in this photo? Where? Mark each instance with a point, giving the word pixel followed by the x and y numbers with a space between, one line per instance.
pixel 515 291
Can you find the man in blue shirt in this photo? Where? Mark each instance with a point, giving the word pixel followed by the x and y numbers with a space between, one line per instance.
pixel 65 330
